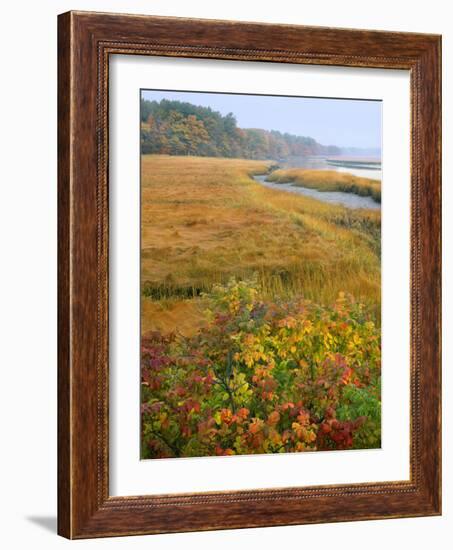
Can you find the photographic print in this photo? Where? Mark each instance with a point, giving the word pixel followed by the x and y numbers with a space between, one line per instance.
pixel 260 274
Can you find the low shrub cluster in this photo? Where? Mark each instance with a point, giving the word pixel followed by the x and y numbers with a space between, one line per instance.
pixel 263 377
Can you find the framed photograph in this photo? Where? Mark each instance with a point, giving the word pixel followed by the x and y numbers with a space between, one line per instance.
pixel 249 275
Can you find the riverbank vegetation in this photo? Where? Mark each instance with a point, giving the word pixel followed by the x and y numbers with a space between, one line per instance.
pixel 328 180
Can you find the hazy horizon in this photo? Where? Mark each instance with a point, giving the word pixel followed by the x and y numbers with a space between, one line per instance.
pixel 346 123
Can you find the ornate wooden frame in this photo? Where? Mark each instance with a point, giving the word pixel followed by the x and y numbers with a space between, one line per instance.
pixel 85 41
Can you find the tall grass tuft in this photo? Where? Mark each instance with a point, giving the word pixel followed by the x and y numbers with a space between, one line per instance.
pixel 328 180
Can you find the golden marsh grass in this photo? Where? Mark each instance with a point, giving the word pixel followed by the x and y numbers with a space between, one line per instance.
pixel 329 180
pixel 205 220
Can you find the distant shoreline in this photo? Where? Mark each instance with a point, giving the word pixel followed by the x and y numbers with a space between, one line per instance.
pixel 354 162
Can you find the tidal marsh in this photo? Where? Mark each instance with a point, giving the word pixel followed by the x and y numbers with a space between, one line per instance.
pixel 205 220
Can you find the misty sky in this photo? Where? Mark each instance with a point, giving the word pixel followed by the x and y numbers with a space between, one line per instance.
pixel 342 122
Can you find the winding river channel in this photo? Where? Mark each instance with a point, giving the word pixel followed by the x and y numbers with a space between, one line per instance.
pixel 350 200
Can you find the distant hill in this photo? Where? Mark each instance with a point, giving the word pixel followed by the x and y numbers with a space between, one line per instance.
pixel 180 128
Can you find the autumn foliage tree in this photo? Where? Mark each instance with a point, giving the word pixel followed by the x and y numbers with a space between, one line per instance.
pixel 180 128
pixel 263 377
